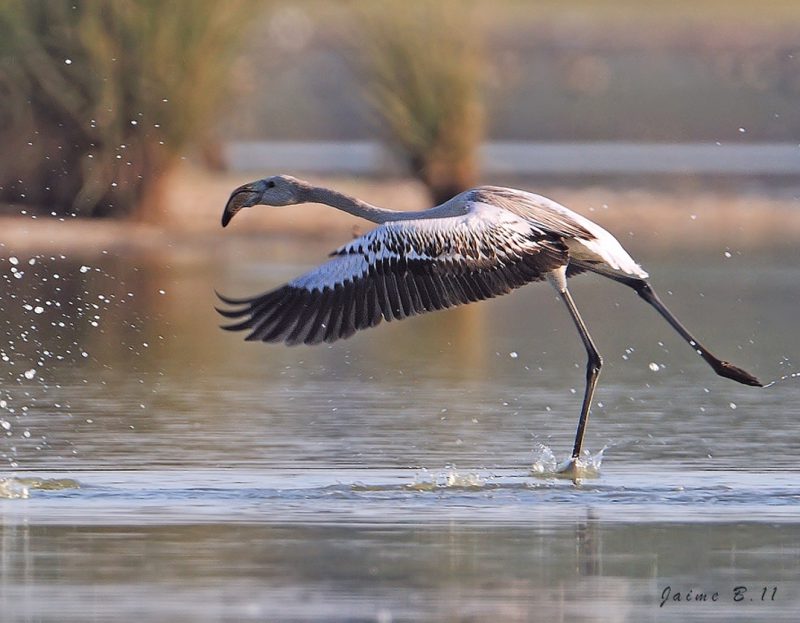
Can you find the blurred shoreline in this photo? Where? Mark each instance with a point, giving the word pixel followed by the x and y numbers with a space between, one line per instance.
pixel 565 159
pixel 662 216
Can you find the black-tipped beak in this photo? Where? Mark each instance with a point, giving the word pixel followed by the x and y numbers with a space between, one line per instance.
pixel 227 215
pixel 243 197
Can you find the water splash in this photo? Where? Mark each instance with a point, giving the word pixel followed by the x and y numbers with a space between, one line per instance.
pixel 450 478
pixel 544 461
pixel 15 488
pixel 785 377
pixel 546 465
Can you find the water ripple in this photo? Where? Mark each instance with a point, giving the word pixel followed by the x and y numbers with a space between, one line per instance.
pixel 397 496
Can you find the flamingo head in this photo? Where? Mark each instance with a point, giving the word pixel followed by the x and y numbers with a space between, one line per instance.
pixel 279 190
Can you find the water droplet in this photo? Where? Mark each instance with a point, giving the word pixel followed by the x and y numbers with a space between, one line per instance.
pixel 733 405
pixel 653 366
pixel 513 354
pixel 68 61
pixel 29 374
pixel 727 254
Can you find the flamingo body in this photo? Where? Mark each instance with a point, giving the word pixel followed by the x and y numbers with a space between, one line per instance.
pixel 482 243
pixel 501 240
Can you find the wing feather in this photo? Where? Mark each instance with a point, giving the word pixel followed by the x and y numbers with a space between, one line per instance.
pixel 401 269
pixel 374 314
pixel 316 332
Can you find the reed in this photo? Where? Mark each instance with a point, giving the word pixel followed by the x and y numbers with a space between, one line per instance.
pixel 422 64
pixel 99 99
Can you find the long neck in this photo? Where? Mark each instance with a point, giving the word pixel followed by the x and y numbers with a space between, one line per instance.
pixel 318 194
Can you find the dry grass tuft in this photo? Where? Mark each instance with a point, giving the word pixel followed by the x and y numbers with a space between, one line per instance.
pixel 98 99
pixel 422 66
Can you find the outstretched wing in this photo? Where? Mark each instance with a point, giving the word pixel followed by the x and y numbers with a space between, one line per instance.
pixel 400 269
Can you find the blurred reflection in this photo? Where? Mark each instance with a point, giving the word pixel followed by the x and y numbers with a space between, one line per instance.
pixel 588 546
pixel 453 572
pixel 118 357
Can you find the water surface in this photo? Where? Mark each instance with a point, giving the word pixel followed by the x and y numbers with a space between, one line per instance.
pixel 160 469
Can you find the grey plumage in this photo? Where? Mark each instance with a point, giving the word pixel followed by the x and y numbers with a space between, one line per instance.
pixel 402 269
pixel 482 243
pixel 408 267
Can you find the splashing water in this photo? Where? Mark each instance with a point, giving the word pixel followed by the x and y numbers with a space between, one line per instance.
pixel 785 377
pixel 449 478
pixel 15 488
pixel 544 461
pixel 546 465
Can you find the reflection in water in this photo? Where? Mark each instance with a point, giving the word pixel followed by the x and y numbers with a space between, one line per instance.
pixel 387 476
pixel 588 544
pixel 254 572
pixel 117 361
pixel 157 350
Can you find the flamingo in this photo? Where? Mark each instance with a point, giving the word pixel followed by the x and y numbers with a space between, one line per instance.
pixel 482 243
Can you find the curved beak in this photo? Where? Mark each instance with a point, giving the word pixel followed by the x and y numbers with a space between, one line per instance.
pixel 243 197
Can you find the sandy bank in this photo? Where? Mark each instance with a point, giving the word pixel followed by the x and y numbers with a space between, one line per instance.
pixel 639 218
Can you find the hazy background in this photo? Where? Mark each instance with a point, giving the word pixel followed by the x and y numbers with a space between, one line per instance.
pixel 106 103
pixel 553 71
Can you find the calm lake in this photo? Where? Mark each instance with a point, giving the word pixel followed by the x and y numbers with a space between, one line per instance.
pixel 156 468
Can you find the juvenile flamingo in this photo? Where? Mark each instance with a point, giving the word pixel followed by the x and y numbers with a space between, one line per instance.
pixel 482 243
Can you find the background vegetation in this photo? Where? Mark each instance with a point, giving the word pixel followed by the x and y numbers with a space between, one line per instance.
pixel 98 99
pixel 421 66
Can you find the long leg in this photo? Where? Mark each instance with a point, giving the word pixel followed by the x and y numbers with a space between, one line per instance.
pixel 723 368
pixel 593 364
